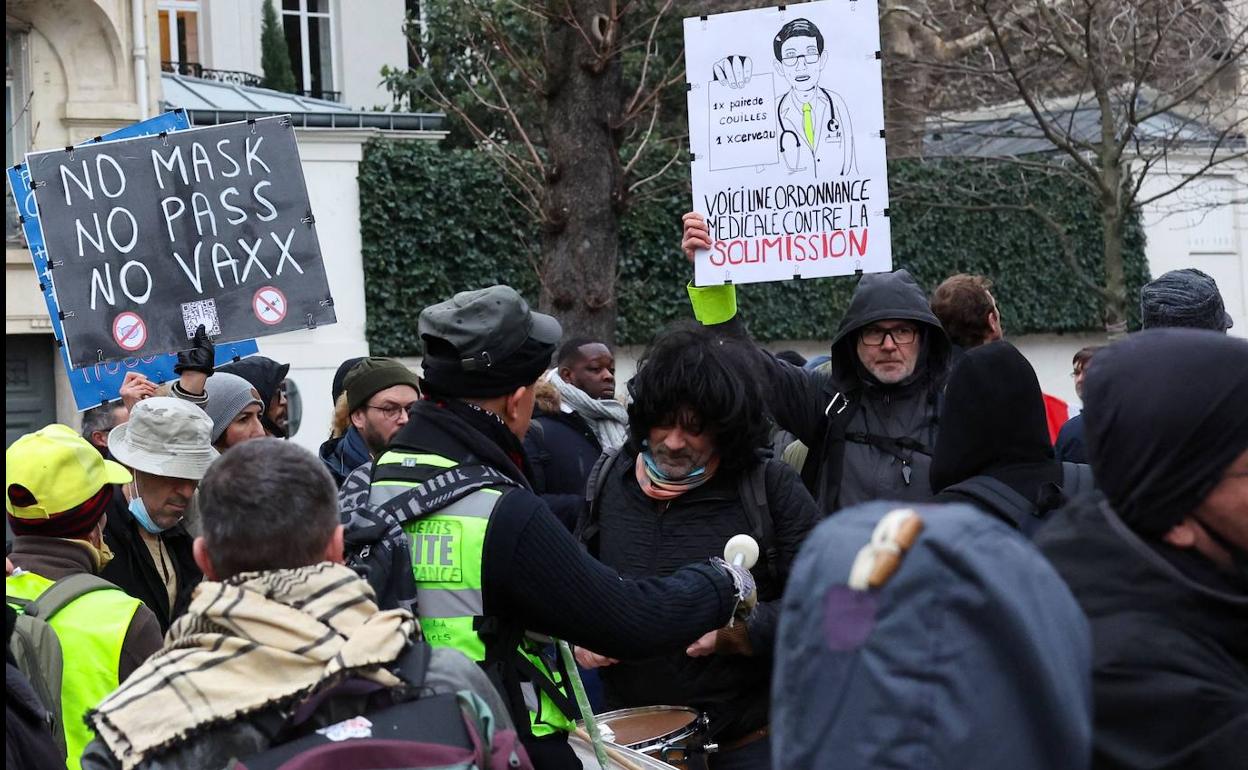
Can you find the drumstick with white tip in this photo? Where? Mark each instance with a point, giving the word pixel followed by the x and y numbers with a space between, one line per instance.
pixel 741 551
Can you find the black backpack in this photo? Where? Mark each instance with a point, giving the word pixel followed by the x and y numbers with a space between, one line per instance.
pixel 752 490
pixel 1024 514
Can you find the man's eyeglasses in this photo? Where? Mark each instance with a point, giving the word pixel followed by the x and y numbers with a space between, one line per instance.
pixel 902 335
pixel 389 411
pixel 809 58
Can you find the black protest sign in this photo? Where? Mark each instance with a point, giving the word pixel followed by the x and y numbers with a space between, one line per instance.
pixel 147 238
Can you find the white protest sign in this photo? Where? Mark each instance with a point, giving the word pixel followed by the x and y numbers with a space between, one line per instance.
pixel 786 123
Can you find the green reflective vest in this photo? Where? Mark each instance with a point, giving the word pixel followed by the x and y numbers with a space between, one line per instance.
pixel 91 630
pixel 447 546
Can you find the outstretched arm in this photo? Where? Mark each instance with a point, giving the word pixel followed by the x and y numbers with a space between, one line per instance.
pixel 536 572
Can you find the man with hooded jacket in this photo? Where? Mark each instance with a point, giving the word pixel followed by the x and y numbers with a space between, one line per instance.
pixel 870 422
pixel 1160 564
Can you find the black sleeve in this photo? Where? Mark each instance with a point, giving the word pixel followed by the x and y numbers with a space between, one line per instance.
pixel 793 514
pixel 534 572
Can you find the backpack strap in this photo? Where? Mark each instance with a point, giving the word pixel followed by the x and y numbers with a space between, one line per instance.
pixel 837 415
pixel 1002 498
pixel 587 528
pixel 413 664
pixel 437 492
pixel 61 593
pixel 1076 479
pixel 753 492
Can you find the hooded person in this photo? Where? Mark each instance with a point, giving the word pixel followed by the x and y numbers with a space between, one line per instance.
pixel 928 637
pixel 167 447
pixel 870 422
pixel 1160 564
pixel 57 489
pixel 993 450
pixel 266 376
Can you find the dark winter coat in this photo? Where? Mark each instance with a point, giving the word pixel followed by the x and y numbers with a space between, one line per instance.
pixel 1070 447
pixel 973 655
pixel 562 449
pixel 822 410
pixel 993 424
pixel 642 537
pixel 1170 643
pixel 344 454
pixel 133 571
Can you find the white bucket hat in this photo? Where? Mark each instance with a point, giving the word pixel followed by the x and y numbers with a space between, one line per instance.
pixel 165 437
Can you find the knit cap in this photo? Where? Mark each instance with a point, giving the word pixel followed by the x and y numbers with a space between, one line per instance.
pixel 375 374
pixel 228 395
pixel 1183 298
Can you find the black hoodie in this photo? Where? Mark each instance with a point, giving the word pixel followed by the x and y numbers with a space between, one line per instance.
pixel 993 424
pixel 833 413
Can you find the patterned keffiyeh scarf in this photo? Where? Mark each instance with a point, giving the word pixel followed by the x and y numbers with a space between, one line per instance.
pixel 256 641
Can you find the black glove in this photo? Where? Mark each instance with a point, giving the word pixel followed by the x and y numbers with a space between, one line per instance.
pixel 200 357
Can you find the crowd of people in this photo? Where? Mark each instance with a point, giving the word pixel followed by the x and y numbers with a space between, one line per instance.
pixel 483 554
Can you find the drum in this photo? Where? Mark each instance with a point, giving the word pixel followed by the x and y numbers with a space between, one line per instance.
pixel 667 733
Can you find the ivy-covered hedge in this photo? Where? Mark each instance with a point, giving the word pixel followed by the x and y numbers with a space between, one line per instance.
pixel 437 221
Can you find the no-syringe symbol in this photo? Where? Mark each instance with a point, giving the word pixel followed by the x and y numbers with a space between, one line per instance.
pixel 269 305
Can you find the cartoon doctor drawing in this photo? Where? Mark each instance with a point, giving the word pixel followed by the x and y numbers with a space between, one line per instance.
pixel 815 131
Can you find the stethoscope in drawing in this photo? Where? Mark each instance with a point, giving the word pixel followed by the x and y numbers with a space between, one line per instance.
pixel 833 125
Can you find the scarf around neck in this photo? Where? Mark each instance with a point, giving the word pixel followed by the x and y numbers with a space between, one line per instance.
pixel 257 641
pixel 658 486
pixel 606 417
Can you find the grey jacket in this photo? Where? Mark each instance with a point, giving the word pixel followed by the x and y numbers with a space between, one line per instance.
pixel 840 413
pixel 215 748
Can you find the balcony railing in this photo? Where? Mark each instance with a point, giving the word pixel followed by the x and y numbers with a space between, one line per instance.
pixel 333 96
pixel 197 70
pixel 236 77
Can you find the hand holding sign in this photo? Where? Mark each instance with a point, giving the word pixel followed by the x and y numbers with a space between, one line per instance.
pixel 697 235
pixel 734 71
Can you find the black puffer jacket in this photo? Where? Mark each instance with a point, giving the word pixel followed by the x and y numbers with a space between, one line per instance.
pixel 642 537
pixel 1170 644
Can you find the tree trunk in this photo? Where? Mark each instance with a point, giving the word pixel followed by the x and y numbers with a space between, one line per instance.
pixel 907 88
pixel 1112 217
pixel 584 198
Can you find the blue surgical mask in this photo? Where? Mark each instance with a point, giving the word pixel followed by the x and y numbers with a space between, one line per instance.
pixel 139 511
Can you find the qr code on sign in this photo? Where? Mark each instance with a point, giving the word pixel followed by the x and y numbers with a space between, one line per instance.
pixel 201 312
